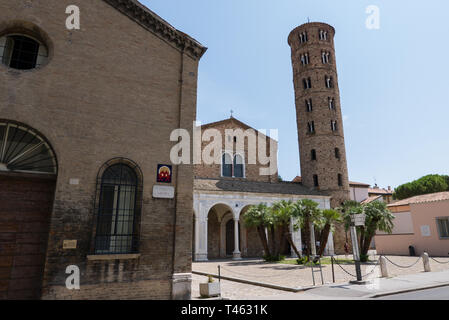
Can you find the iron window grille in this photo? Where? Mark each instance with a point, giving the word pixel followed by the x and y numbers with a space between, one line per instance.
pixel 22 149
pixel 118 205
pixel 22 52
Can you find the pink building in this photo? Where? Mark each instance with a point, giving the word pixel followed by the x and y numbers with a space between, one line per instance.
pixel 421 222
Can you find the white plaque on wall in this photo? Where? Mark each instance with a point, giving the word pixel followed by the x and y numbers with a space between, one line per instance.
pixel 425 231
pixel 163 192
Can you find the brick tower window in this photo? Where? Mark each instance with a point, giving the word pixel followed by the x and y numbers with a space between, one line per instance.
pixel 334 126
pixel 309 106
pixel 331 103
pixel 340 180
pixel 329 82
pixel 313 155
pixel 323 35
pixel 303 37
pixel 315 180
pixel 337 153
pixel 311 127
pixel 307 83
pixel 325 57
pixel 305 59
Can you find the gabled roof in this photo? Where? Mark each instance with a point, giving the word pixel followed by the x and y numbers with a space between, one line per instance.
pixel 380 191
pixel 161 28
pixel 371 199
pixel 432 197
pixel 231 120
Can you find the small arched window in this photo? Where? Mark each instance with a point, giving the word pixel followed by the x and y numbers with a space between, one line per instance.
pixel 238 166
pixel 22 52
pixel 226 165
pixel 118 211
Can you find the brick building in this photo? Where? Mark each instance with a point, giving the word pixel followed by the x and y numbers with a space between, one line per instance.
pixel 85 121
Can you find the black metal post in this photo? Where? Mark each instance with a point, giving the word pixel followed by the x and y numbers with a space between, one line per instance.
pixel 333 271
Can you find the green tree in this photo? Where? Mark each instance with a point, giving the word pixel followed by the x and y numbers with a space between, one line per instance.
pixel 377 218
pixel 329 218
pixel 428 184
pixel 307 213
pixel 283 212
pixel 258 217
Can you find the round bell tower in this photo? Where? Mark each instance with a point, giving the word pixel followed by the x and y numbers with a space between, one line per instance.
pixel 318 110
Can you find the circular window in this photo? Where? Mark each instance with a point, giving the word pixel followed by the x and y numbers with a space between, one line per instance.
pixel 22 52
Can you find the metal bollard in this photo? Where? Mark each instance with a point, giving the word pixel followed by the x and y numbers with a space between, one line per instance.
pixel 383 267
pixel 426 261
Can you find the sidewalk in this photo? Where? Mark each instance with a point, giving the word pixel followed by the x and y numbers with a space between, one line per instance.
pixel 379 287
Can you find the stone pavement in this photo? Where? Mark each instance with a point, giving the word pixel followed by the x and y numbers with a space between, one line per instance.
pixel 295 276
pixel 379 287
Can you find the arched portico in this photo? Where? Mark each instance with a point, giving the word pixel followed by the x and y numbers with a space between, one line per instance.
pixel 213 211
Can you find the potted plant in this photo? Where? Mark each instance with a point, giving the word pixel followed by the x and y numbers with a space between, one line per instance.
pixel 210 289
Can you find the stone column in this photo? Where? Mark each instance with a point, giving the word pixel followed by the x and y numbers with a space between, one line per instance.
pixel 236 254
pixel 201 236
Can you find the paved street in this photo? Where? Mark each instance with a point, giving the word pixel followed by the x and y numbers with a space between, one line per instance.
pixel 430 294
pixel 295 276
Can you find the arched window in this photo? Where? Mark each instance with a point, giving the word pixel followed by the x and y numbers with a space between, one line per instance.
pixel 22 52
pixel 238 166
pixel 118 210
pixel 226 165
pixel 24 150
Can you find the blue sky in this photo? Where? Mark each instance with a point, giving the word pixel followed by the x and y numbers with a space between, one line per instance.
pixel 393 81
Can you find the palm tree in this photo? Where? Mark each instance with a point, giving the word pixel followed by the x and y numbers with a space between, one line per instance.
pixel 330 218
pixel 378 218
pixel 307 213
pixel 283 212
pixel 258 216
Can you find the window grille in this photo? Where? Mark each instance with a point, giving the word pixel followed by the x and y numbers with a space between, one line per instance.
pixel 24 150
pixel 119 206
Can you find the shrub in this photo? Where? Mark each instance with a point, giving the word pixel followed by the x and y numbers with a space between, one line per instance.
pixel 271 258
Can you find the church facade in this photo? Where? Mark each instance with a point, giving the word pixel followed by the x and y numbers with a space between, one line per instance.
pixel 224 192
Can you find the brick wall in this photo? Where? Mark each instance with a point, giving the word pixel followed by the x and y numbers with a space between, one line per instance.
pixel 111 89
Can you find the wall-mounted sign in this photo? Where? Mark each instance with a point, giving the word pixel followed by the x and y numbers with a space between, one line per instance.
pixel 69 244
pixel 164 173
pixel 425 231
pixel 163 192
